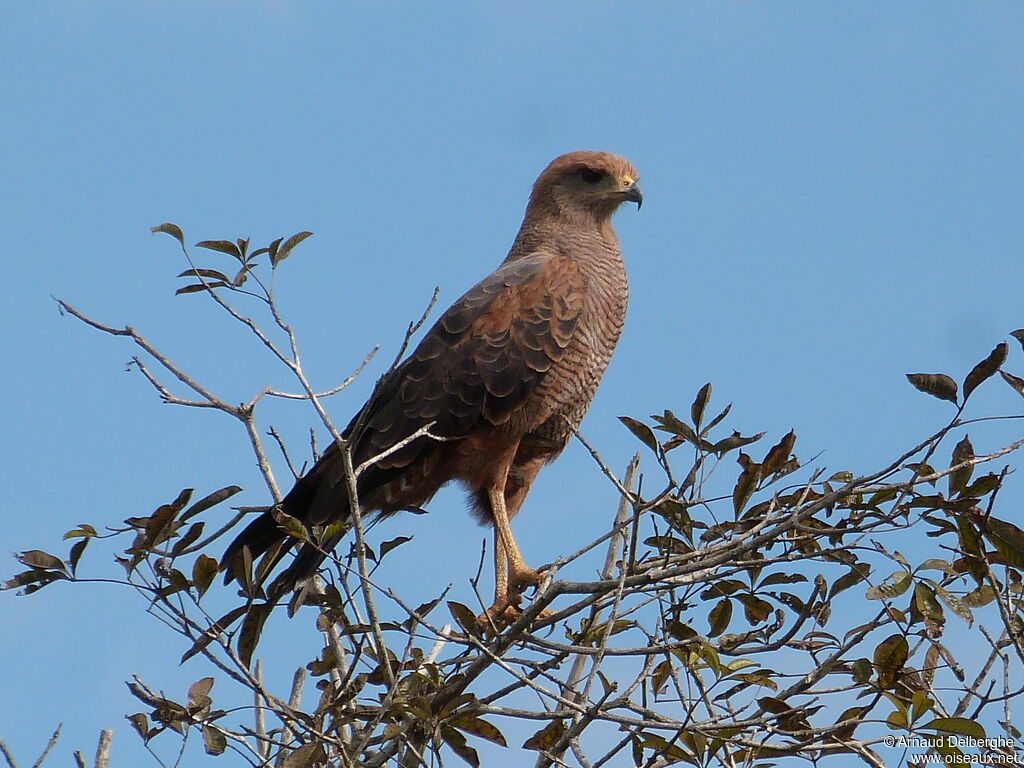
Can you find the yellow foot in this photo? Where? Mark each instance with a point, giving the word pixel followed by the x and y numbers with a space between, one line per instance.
pixel 505 612
pixel 522 576
pixel 500 615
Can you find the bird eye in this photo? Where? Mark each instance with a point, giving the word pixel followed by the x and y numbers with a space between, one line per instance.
pixel 591 176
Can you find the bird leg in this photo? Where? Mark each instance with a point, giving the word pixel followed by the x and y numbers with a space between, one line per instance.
pixel 519 573
pixel 504 609
pixel 500 569
pixel 511 573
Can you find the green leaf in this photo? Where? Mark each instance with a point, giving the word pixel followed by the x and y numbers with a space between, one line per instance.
pixel 706 653
pixel 191 537
pixel 214 741
pixel 761 678
pixel 682 431
pixel 36 558
pixel 464 616
pixel 159 527
pixel 958 725
pixel 857 573
pixel 457 742
pixel 699 404
pixel 170 229
pixel 306 756
pixel 199 287
pixel 83 530
pixel 213 274
pixel 199 693
pixel 890 656
pixel 853 716
pixel 76 554
pixel 174 582
pixel 597 634
pixel 774 706
pixel 931 664
pixel 682 633
pixel 1008 539
pixel 898 719
pixel 776 458
pixel 1015 382
pixel 272 249
pixel 755 609
pixel 982 486
pixel 252 628
pixel 213 632
pixel 659 676
pixel 881 497
pixel 962 452
pixel 861 670
pixel 716 421
pixel 894 586
pixel 547 737
pixel 935 384
pixel 641 431
pixel 284 251
pixel 478 727
pixel 668 544
pixel 971 546
pixel 954 603
pixel 746 484
pixel 224 246
pixel 719 617
pixel 985 369
pixel 734 441
pixel 929 608
pixel 980 597
pixel 140 723
pixel 666 751
pixel 387 546
pixel 636 747
pixel 32 581
pixel 204 570
pixel 210 500
pixel 292 525
pixel 937 564
pixel 781 578
pixel 721 588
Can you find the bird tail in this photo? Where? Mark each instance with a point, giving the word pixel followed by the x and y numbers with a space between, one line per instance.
pixel 306 563
pixel 268 537
pixel 318 499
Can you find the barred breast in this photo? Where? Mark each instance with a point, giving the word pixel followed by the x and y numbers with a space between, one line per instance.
pixel 570 385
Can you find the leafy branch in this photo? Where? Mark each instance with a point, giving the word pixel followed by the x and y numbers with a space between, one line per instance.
pixel 742 606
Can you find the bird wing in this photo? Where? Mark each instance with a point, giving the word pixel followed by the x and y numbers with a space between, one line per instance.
pixel 477 365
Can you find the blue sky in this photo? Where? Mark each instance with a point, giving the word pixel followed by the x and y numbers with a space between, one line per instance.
pixel 832 199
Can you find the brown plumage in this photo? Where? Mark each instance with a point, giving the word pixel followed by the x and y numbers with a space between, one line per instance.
pixel 503 377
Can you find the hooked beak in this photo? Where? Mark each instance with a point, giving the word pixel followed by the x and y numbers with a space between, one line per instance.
pixel 633 194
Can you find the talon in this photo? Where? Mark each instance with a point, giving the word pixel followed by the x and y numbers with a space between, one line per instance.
pixel 506 611
pixel 524 577
pixel 544 615
pixel 500 615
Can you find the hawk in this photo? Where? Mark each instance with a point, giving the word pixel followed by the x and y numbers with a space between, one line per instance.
pixel 494 389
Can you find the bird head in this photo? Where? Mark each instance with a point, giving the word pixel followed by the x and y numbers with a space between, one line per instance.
pixel 586 185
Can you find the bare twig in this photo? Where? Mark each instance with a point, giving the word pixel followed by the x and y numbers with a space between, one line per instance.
pixel 49 746
pixel 103 748
pixel 6 752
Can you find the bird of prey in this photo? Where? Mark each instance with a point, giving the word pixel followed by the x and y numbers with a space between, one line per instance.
pixel 495 389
